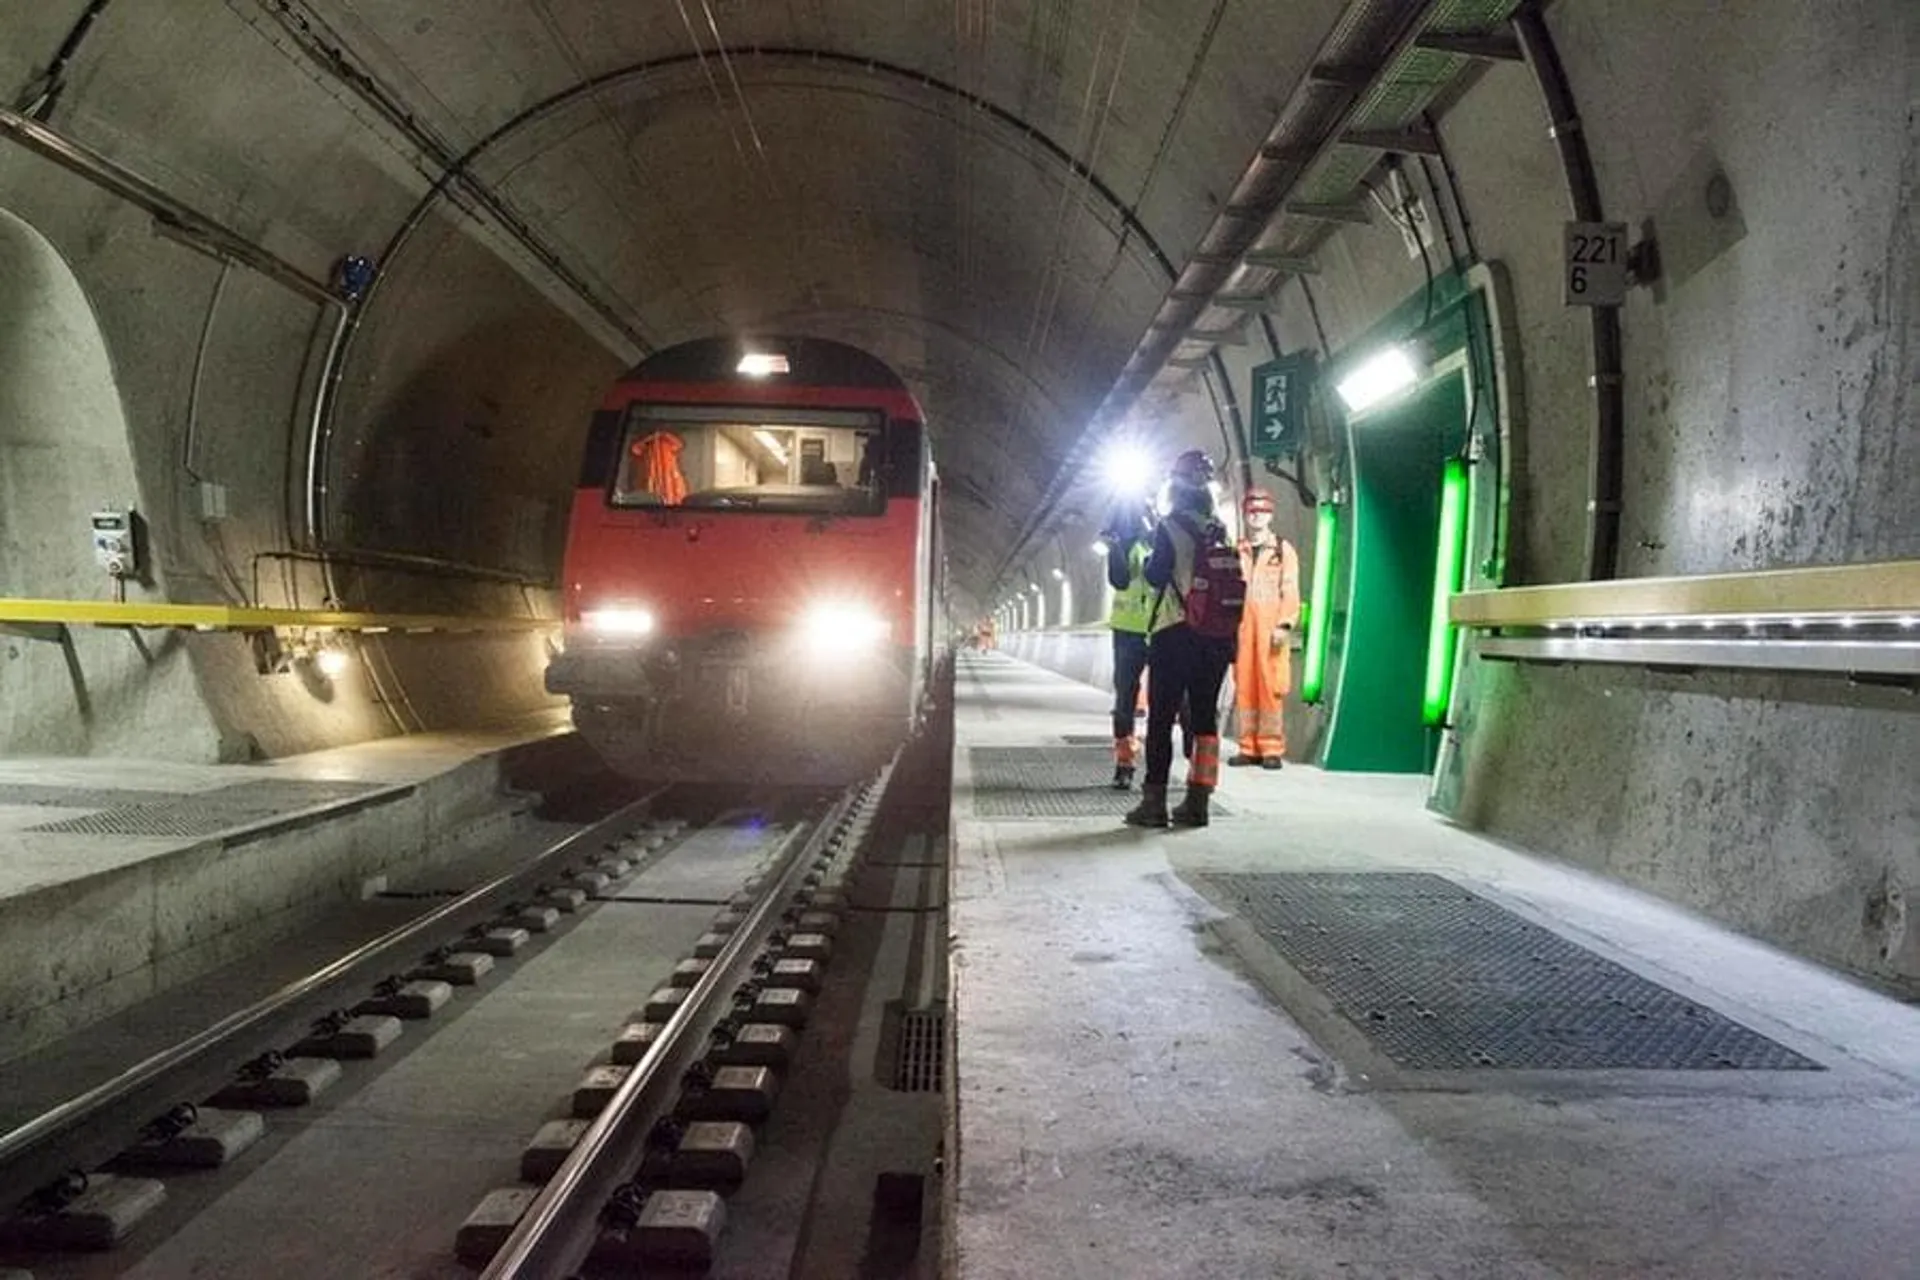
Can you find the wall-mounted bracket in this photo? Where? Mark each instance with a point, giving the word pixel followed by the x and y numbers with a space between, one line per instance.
pixel 46 632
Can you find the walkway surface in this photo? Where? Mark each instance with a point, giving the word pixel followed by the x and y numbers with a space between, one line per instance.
pixel 1162 1070
pixel 65 819
pixel 120 879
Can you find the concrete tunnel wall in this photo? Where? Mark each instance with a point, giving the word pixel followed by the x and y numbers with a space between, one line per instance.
pixel 1769 423
pixel 472 387
pixel 1768 418
pixel 63 455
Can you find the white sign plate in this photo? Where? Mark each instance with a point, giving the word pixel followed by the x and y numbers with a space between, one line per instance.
pixel 1596 264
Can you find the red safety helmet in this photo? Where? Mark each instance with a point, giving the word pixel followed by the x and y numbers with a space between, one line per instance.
pixel 1257 500
pixel 1192 469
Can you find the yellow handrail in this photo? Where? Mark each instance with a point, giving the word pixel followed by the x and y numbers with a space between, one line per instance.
pixel 212 617
pixel 1890 587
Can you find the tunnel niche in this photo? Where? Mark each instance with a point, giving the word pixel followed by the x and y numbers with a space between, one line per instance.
pixel 1420 485
pixel 65 453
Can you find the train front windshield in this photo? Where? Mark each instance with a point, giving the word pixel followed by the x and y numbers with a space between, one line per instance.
pixel 831 462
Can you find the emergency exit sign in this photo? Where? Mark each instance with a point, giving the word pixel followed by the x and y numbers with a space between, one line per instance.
pixel 1280 406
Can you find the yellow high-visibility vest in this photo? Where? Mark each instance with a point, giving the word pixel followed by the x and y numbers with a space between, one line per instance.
pixel 1132 606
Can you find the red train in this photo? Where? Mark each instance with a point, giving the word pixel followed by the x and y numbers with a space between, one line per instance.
pixel 752 566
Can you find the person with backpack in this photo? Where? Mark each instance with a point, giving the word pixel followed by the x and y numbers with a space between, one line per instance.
pixel 1200 594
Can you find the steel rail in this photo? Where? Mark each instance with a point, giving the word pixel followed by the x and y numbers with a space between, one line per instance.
pixel 1889 587
pixel 22 1143
pixel 208 617
pixel 561 1226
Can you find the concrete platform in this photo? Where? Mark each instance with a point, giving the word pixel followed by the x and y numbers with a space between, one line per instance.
pixel 1146 1089
pixel 121 878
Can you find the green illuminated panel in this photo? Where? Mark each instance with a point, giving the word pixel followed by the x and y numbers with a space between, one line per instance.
pixel 1319 614
pixel 1449 558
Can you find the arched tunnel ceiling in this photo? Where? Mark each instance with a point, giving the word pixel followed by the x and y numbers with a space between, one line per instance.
pixel 984 194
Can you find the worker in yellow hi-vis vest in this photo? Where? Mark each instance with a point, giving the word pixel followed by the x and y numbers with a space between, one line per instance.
pixel 1128 538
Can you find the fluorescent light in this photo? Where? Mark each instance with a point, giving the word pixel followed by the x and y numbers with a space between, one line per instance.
pixel 1320 604
pixel 1058 574
pixel 772 445
pixel 760 364
pixel 1378 377
pixel 1449 560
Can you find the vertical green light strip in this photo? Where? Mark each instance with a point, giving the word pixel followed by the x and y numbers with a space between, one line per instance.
pixel 1319 605
pixel 1448 559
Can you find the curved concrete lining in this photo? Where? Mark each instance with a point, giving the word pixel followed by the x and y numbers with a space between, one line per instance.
pixel 64 453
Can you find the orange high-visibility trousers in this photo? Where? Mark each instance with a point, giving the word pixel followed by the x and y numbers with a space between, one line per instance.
pixel 1262 669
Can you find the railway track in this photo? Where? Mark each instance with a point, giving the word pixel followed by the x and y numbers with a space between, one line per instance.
pixel 702 947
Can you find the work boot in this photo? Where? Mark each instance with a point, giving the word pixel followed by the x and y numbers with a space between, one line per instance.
pixel 1193 807
pixel 1272 762
pixel 1123 777
pixel 1152 809
pixel 1242 760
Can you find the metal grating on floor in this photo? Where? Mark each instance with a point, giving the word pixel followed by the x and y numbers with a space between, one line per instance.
pixel 1053 782
pixel 1441 979
pixel 244 804
pixel 919 1063
pixel 57 797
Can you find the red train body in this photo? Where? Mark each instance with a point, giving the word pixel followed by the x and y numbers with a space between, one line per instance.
pixel 751 566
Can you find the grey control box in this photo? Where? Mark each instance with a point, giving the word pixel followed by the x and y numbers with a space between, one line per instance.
pixel 116 546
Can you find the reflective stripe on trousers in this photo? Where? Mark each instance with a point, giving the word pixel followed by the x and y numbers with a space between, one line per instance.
pixel 1263 731
pixel 1205 769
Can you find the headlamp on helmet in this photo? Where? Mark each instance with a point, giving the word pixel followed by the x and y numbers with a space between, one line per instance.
pixel 1192 469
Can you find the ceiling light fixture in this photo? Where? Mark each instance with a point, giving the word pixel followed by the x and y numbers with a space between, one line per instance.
pixel 760 364
pixel 772 446
pixel 1378 377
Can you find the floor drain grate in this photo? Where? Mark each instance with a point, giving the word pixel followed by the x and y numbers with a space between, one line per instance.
pixel 1053 782
pixel 920 1055
pixel 1439 978
pixel 207 813
pixel 56 797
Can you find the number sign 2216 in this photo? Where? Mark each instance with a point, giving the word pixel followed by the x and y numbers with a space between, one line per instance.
pixel 1596 264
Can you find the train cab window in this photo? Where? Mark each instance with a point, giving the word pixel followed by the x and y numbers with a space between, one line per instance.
pixel 830 462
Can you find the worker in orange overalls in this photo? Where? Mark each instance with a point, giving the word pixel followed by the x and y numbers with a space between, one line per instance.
pixel 1263 664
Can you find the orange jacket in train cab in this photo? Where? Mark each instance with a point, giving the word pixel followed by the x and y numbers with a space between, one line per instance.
pixel 656 467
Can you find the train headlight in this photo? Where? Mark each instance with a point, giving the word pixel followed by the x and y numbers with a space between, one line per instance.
pixel 830 625
pixel 618 620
